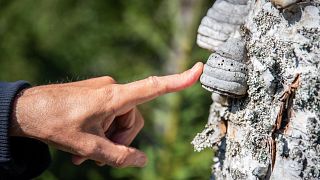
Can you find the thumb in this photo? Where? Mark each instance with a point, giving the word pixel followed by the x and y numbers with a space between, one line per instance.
pixel 106 152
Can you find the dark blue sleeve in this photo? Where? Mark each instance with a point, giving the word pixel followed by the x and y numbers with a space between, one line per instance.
pixel 20 158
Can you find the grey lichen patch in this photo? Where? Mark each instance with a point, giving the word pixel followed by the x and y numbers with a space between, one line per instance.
pixel 308 97
pixel 235 148
pixel 236 174
pixel 207 138
pixel 257 143
pixel 312 168
pixel 216 128
pixel 266 19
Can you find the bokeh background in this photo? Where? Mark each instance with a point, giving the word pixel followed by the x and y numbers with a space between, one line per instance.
pixel 55 41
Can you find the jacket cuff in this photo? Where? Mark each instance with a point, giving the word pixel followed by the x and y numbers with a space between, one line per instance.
pixel 8 92
pixel 20 157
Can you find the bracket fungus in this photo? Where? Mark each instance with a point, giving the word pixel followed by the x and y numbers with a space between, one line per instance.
pixel 221 23
pixel 226 71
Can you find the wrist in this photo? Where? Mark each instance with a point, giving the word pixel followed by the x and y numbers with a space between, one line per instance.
pixel 16 119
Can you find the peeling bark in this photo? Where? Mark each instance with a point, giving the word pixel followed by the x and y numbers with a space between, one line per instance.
pixel 274 132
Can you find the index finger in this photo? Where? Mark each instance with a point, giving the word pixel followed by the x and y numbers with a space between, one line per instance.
pixel 147 89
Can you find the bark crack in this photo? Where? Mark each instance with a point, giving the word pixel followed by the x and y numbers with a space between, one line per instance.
pixel 284 115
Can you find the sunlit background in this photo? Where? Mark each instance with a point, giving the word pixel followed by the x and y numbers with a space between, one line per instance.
pixel 67 40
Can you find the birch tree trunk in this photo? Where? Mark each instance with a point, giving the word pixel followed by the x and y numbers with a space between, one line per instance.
pixel 273 132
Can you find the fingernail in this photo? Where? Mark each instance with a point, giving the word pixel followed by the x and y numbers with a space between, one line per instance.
pixel 196 66
pixel 141 161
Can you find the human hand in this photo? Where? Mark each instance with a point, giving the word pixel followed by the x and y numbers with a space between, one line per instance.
pixel 93 119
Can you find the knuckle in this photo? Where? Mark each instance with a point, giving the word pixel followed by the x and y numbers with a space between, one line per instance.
pixel 110 79
pixel 155 84
pixel 114 97
pixel 109 92
pixel 89 149
pixel 153 81
pixel 121 161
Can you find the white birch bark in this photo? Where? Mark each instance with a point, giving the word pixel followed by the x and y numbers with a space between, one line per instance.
pixel 273 132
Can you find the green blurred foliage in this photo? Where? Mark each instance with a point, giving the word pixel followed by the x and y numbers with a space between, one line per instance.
pixel 67 40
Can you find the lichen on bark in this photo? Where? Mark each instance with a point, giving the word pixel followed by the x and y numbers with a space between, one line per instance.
pixel 273 132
